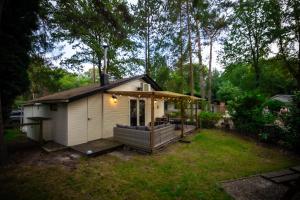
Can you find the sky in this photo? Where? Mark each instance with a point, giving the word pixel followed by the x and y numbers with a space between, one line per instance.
pixel 69 51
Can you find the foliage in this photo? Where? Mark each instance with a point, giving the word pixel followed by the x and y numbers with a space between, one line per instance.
pixel 69 81
pixel 247 113
pixel 284 30
pixel 247 41
pixel 274 78
pixel 12 134
pixel 228 92
pixel 292 123
pixel 18 21
pixel 45 79
pixel 174 114
pixel 273 106
pixel 209 119
pixel 89 24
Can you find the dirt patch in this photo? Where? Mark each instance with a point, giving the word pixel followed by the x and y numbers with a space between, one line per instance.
pixel 34 155
pixel 124 154
pixel 254 188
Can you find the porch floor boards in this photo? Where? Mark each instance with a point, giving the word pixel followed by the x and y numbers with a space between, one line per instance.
pixel 97 147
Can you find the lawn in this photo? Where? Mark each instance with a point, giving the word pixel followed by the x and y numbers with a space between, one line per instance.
pixel 12 134
pixel 182 171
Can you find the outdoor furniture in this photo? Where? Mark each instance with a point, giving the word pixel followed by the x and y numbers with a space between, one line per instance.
pixel 139 136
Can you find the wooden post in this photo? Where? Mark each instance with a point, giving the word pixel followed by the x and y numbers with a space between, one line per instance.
pixel 152 123
pixel 41 132
pixel 182 116
pixel 196 113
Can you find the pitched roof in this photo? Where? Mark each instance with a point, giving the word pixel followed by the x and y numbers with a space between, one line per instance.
pixel 77 93
pixel 284 98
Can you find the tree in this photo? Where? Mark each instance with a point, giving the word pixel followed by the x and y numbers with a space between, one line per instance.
pixel 283 18
pixel 147 22
pixel 213 25
pixel 89 24
pixel 18 21
pixel 191 74
pixel 227 92
pixel 200 12
pixel 247 40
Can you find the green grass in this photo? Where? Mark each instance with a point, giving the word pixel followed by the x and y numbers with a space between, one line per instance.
pixel 182 171
pixel 12 134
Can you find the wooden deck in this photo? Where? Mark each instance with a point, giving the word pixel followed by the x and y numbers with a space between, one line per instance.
pixel 186 130
pixel 97 147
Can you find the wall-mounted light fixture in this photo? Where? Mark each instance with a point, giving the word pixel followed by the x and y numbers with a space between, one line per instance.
pixel 155 101
pixel 115 99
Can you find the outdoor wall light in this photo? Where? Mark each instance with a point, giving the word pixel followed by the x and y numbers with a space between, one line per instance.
pixel 114 97
pixel 155 101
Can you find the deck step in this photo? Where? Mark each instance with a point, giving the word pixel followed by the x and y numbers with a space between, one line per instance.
pixel 277 173
pixel 297 169
pixel 286 178
pixel 97 147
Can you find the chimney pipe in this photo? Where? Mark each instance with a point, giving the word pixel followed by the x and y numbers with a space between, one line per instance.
pixel 104 79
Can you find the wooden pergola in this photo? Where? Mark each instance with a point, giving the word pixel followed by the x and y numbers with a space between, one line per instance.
pixel 165 95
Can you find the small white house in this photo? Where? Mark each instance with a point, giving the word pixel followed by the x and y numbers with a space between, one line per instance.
pixel 89 113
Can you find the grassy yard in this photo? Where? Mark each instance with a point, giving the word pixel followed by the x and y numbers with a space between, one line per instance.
pixel 182 171
pixel 12 134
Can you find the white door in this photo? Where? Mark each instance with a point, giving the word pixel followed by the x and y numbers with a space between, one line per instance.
pixel 94 117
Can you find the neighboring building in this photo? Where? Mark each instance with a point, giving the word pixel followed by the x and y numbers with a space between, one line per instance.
pixel 284 98
pixel 88 113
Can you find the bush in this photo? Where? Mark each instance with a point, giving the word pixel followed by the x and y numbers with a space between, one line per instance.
pixel 174 114
pixel 292 124
pixel 246 112
pixel 274 106
pixel 209 119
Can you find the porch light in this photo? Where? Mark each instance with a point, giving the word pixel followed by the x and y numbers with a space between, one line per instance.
pixel 115 99
pixel 155 101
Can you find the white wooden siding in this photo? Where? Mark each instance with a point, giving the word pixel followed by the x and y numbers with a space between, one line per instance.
pixel 32 130
pixel 55 128
pixel 114 113
pixel 130 86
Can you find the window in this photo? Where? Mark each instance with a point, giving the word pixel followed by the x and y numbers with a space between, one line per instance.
pixel 53 107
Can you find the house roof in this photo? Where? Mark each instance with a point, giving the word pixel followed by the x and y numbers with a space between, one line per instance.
pixel 77 93
pixel 284 98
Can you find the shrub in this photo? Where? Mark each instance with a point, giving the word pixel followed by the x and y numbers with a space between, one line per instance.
pixel 292 124
pixel 174 114
pixel 209 119
pixel 246 112
pixel 274 106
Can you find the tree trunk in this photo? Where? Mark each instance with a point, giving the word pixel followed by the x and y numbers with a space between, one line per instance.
pixel 147 38
pixel 190 57
pixel 201 74
pixel 191 71
pixel 181 48
pixel 209 73
pixel 3 150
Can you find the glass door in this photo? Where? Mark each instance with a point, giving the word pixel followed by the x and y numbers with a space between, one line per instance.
pixel 137 112
pixel 133 112
pixel 142 112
